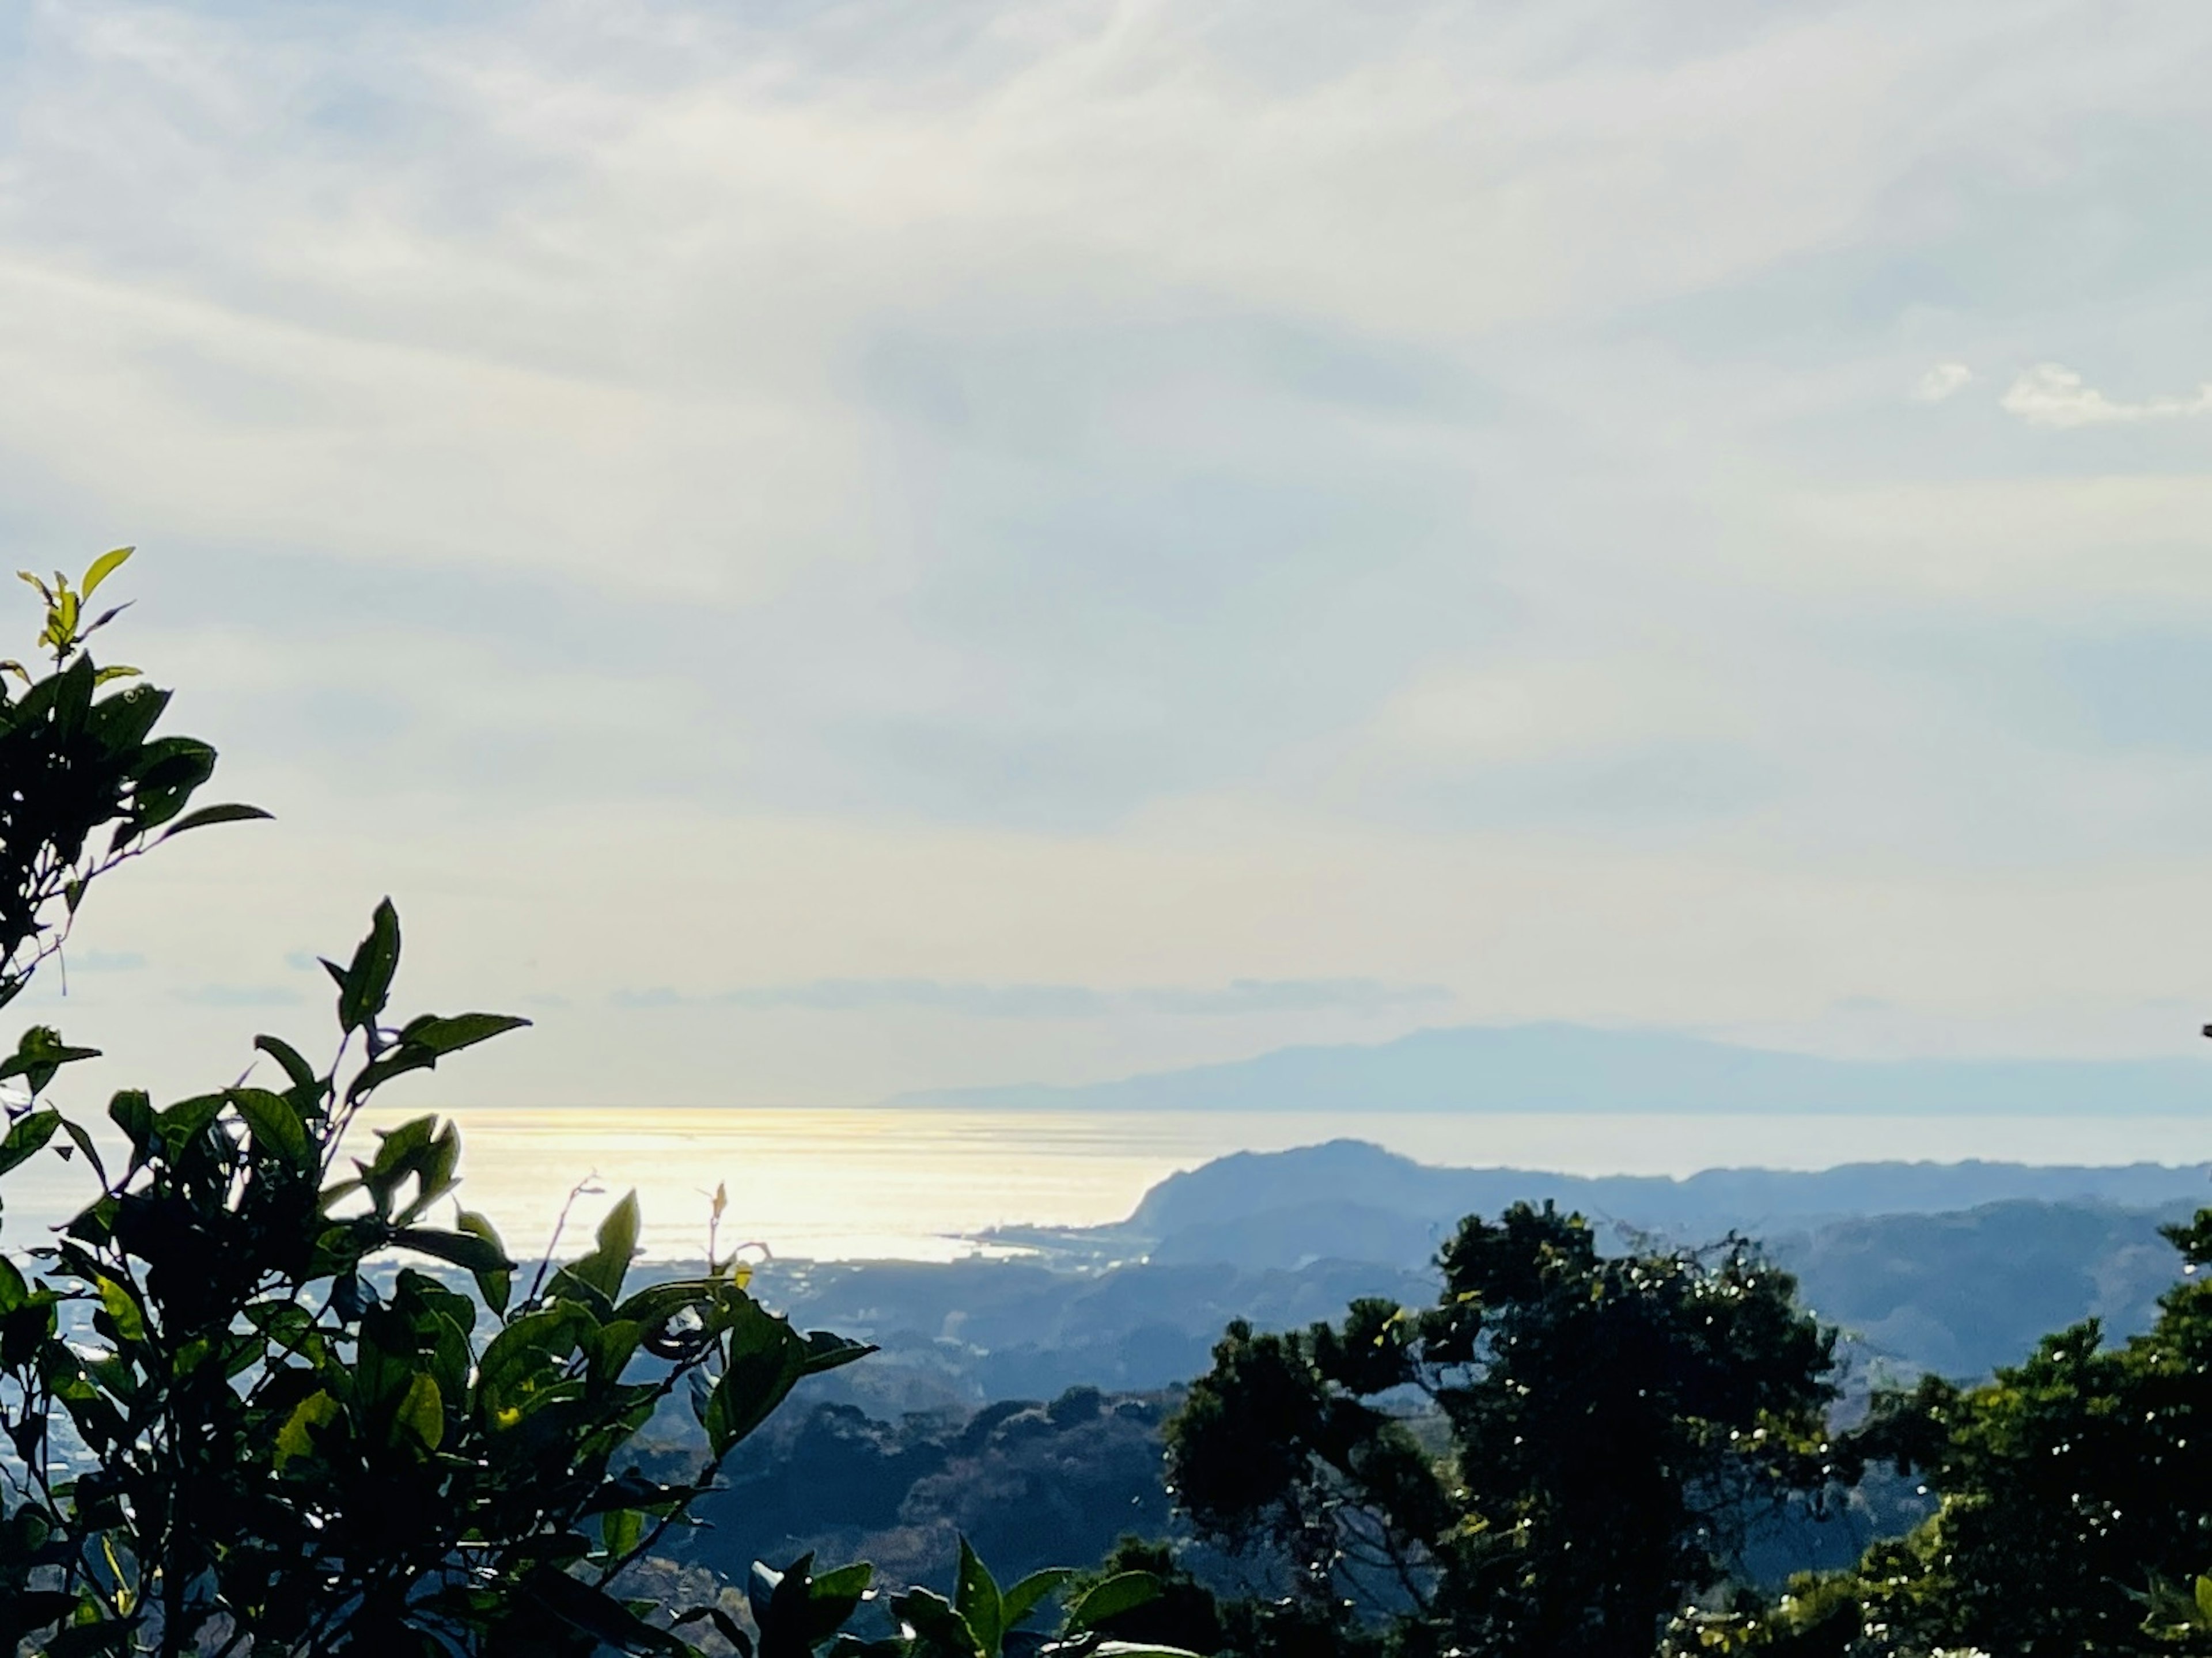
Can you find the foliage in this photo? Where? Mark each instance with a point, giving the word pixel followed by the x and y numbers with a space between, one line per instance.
pixel 982 1619
pixel 1182 1611
pixel 1030 1485
pixel 2075 1499
pixel 75 762
pixel 1613 1421
pixel 239 1422
pixel 277 1448
pixel 230 1425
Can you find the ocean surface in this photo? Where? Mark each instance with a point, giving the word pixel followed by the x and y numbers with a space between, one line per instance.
pixel 915 1183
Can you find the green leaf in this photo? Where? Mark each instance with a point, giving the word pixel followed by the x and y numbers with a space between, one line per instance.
pixel 975 1598
pixel 400 1152
pixel 835 1597
pixel 826 1351
pixel 599 1614
pixel 477 1255
pixel 38 1055
pixel 297 1070
pixel 1125 1591
pixel 766 1359
pixel 317 1410
pixel 426 1041
pixel 422 1412
pixel 83 1138
pixel 366 984
pixel 275 1125
pixel 130 1111
pixel 442 1036
pixel 27 1138
pixel 619 1531
pixel 605 1267
pixel 934 1621
pixel 102 567
pixel 724 1625
pixel 122 1309
pixel 395 1062
pixel 494 1284
pixel 201 817
pixel 1019 1601
pixel 165 774
pixel 522 1355
pixel 845 1583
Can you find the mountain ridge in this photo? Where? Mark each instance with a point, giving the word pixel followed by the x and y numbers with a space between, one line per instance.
pixel 1582 1068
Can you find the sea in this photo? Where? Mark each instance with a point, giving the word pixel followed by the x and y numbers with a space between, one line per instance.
pixel 915 1183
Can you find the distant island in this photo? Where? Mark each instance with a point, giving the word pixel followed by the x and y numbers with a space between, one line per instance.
pixel 1580 1068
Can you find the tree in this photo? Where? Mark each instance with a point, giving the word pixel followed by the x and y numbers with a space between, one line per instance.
pixel 2076 1504
pixel 74 762
pixel 241 1422
pixel 232 1426
pixel 1610 1425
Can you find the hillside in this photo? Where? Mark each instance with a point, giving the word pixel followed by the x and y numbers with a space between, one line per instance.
pixel 1351 1200
pixel 1952 1269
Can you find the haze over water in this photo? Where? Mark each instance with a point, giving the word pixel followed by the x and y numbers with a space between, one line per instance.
pixel 915 1183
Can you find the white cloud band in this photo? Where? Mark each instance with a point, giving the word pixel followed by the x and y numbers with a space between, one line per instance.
pixel 2053 395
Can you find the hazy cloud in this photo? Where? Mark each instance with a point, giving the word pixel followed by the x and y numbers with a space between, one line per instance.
pixel 1945 380
pixel 104 961
pixel 2053 395
pixel 1099 537
pixel 238 996
pixel 1042 1001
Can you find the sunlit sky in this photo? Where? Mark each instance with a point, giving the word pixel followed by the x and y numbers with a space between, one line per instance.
pixel 824 548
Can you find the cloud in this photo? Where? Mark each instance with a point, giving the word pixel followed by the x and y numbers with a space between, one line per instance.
pixel 1047 1001
pixel 1081 537
pixel 2053 395
pixel 105 961
pixel 238 996
pixel 1944 380
pixel 1247 996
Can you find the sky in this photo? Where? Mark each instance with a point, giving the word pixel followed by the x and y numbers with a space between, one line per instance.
pixel 823 550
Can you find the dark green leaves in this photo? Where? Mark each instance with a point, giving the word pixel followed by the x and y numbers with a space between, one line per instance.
pixel 133 1112
pixel 364 984
pixel 297 1070
pixel 938 1629
pixel 826 1351
pixel 495 1279
pixel 1123 1592
pixel 479 1255
pixel 275 1437
pixel 440 1037
pixel 77 762
pixel 40 1053
pixel 1019 1601
pixel 202 816
pixel 797 1611
pixel 422 1043
pixel 601 1273
pixel 26 1137
pixel 276 1126
pixel 766 1359
pixel 975 1598
pixel 418 1150
pixel 599 1615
